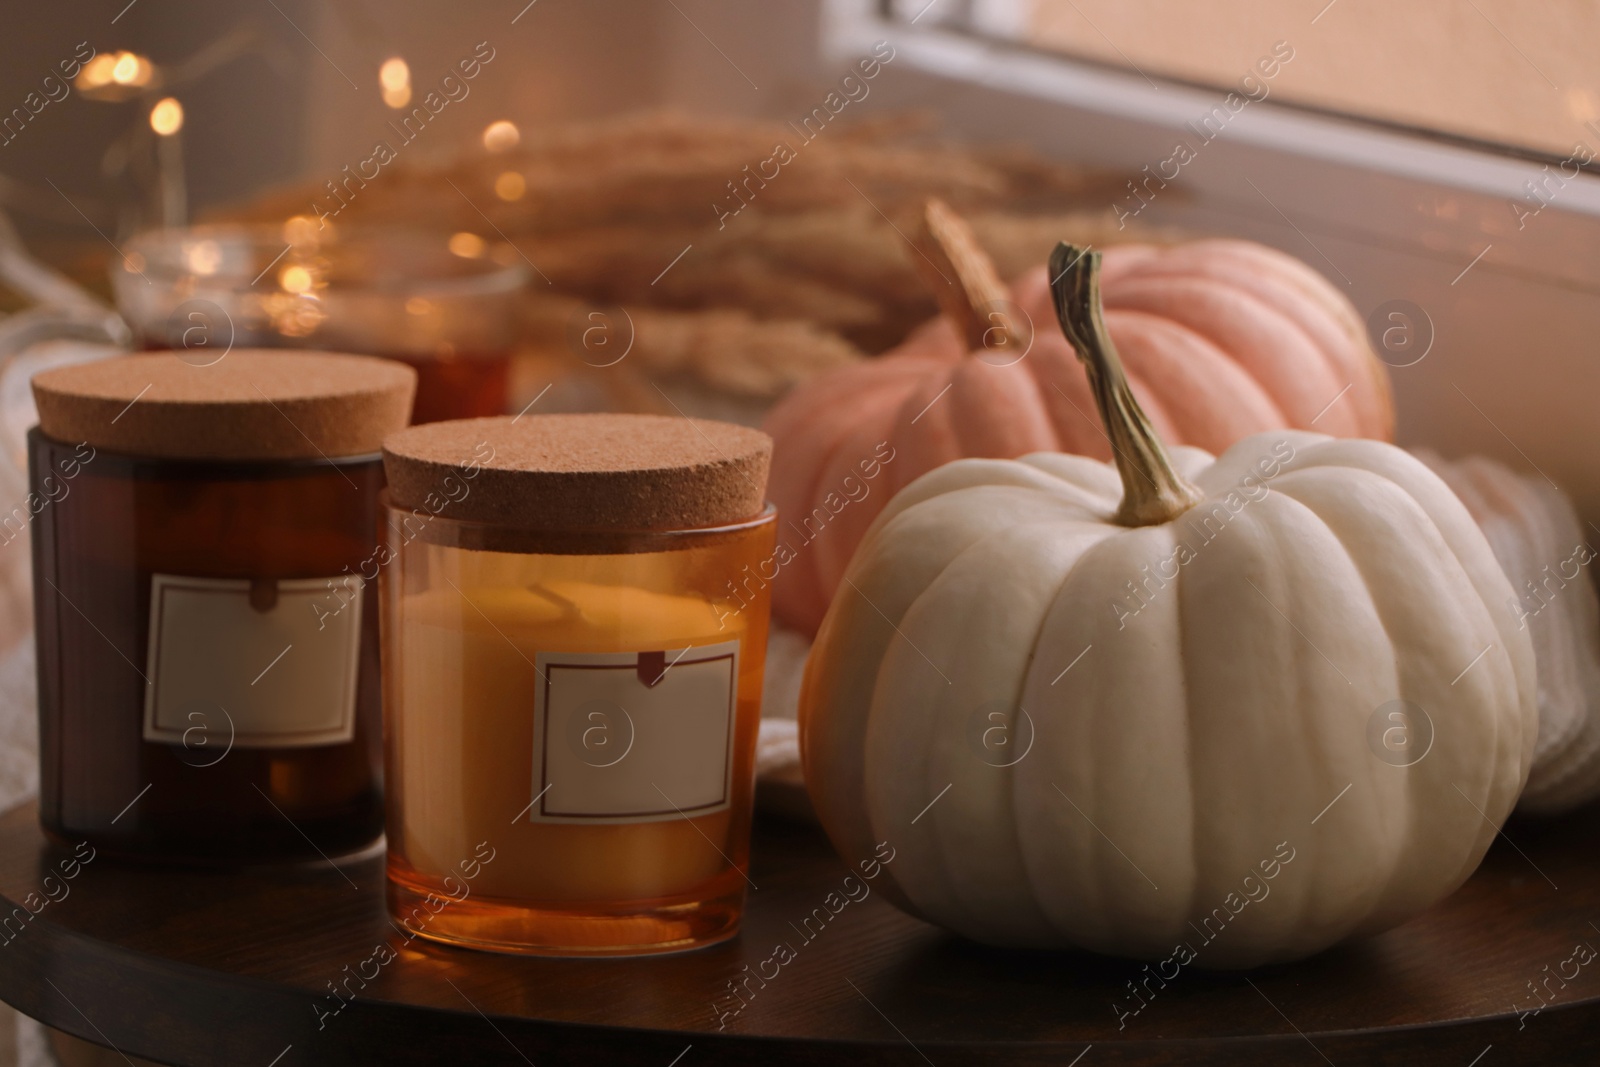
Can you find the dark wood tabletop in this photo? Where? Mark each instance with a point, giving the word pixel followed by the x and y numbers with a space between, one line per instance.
pixel 235 968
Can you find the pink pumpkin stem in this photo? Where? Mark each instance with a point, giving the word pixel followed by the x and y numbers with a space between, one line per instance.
pixel 964 280
pixel 1153 491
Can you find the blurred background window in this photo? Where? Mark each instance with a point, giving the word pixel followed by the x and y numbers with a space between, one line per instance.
pixel 1493 72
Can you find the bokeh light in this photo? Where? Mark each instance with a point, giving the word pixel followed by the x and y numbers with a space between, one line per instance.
pixel 166 118
pixel 501 136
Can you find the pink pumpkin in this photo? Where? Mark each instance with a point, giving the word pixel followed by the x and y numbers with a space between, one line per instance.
pixel 1220 338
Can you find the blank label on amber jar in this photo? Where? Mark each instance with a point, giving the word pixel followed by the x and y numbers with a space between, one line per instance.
pixel 624 737
pixel 253 664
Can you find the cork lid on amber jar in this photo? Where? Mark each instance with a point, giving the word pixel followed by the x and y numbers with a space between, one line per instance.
pixel 598 472
pixel 253 404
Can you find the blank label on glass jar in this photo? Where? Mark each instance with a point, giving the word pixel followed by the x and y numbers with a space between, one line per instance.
pixel 625 737
pixel 266 664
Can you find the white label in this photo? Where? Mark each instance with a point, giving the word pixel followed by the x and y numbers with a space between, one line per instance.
pixel 623 737
pixel 262 674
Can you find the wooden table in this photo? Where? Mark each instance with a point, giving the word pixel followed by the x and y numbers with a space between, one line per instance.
pixel 234 968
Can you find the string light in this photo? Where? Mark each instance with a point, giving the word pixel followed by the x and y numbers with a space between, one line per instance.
pixel 501 136
pixel 395 78
pixel 166 118
pixel 295 279
pixel 510 185
pixel 97 71
pixel 203 257
pixel 300 231
pixel 115 76
pixel 466 245
pixel 126 70
pixel 394 74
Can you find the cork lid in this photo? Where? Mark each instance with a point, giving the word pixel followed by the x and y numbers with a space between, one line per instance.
pixel 582 472
pixel 255 404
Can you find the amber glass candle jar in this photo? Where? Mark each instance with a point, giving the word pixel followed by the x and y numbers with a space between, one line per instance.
pixel 574 633
pixel 208 669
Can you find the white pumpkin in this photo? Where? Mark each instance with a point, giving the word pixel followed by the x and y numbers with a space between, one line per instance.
pixel 1545 551
pixel 1195 664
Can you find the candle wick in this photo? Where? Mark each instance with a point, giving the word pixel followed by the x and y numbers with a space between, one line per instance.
pixel 569 606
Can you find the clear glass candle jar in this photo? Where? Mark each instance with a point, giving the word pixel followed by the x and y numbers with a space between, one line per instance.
pixel 208 673
pixel 449 305
pixel 572 684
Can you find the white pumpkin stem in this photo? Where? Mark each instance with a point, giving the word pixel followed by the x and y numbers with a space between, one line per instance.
pixel 1153 491
pixel 963 279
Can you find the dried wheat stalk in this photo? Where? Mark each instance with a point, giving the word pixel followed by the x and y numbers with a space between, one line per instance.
pixel 785 275
pixel 725 348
